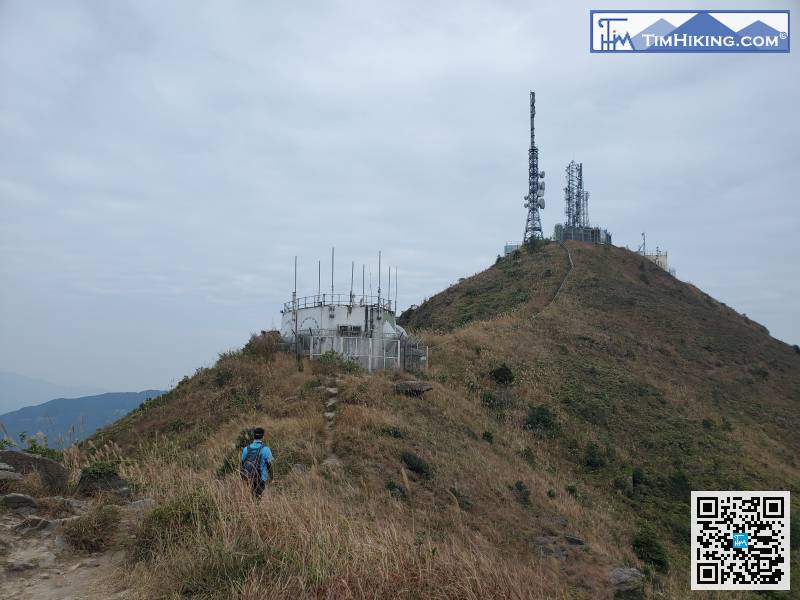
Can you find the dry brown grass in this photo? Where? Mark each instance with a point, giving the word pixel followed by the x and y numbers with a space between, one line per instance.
pixel 309 538
pixel 53 507
pixel 629 367
pixel 94 530
pixel 30 484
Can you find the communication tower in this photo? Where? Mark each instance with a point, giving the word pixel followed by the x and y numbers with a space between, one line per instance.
pixel 535 198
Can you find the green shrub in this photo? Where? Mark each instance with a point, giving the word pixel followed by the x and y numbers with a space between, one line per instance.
pixel 101 469
pixel 219 568
pixel 649 549
pixel 176 426
pixel 94 530
pixel 99 476
pixel 34 446
pixel 488 436
pixel 594 458
pixel 572 490
pixel 502 375
pixel 464 502
pixel 392 431
pixel 222 376
pixel 521 493
pixel 540 419
pixel 416 465
pixel 263 345
pixel 645 279
pixel 637 476
pixel 183 513
pixel 396 490
pixel 333 363
pixel 496 402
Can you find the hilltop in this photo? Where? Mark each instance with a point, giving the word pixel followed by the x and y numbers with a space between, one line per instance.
pixel 559 442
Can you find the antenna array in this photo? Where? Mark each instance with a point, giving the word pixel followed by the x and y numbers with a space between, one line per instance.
pixel 535 198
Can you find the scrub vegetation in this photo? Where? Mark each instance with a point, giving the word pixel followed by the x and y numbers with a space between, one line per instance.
pixel 560 440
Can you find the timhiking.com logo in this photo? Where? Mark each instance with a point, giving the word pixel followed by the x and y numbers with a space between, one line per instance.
pixel 689 31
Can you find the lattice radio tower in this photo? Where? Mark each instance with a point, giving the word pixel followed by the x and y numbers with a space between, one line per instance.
pixel 576 200
pixel 535 198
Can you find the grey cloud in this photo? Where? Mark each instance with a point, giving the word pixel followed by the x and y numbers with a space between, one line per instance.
pixel 161 164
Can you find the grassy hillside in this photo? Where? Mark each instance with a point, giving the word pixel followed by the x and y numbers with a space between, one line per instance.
pixel 560 440
pixel 502 287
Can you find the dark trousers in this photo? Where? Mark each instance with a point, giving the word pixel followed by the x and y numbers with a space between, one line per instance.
pixel 258 486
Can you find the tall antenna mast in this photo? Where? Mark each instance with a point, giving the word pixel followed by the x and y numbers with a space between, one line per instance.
pixel 379 282
pixel 294 310
pixel 352 269
pixel 363 286
pixel 575 197
pixel 333 250
pixel 395 290
pixel 389 295
pixel 319 278
pixel 535 198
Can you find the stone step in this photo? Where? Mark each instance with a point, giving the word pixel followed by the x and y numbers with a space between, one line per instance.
pixel 329 415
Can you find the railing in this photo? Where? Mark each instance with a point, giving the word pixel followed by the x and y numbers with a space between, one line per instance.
pixel 335 300
pixel 370 353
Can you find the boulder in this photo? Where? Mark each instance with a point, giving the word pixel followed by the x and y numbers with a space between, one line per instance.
pixel 626 579
pixel 17 501
pixel 413 388
pixel 5 467
pixel 53 474
pixel 574 540
pixel 142 505
pixel 9 476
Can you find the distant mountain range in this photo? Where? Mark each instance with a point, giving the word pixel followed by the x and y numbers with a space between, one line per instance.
pixel 67 420
pixel 17 391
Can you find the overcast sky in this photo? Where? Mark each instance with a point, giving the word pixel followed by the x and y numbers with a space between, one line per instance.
pixel 162 162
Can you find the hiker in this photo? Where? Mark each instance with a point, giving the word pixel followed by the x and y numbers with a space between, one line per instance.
pixel 257 463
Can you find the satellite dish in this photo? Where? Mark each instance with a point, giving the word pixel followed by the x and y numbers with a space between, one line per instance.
pixel 541 202
pixel 541 186
pixel 541 174
pixel 309 323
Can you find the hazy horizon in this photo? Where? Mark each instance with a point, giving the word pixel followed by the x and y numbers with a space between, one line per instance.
pixel 163 164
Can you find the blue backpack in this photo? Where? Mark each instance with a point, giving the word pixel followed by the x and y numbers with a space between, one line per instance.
pixel 251 465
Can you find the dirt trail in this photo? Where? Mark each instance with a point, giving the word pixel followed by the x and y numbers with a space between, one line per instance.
pixel 331 395
pixel 36 563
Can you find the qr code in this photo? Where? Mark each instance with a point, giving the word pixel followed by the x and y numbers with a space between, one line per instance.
pixel 740 540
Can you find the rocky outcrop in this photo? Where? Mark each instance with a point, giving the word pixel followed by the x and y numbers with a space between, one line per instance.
pixel 626 580
pixel 412 388
pixel 53 474
pixel 17 501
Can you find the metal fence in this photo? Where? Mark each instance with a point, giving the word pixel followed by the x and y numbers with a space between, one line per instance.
pixel 370 353
pixel 335 300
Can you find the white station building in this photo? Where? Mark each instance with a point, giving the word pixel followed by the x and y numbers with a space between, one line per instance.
pixel 360 328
